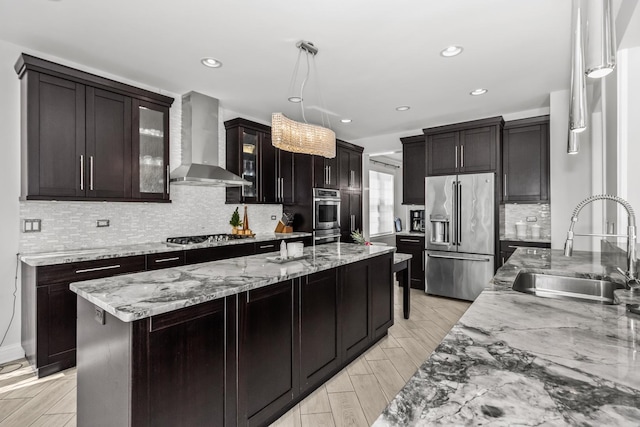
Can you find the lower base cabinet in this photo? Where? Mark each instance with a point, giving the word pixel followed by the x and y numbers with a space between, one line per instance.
pixel 239 361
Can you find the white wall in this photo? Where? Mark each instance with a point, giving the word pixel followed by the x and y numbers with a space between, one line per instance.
pixel 72 225
pixel 9 193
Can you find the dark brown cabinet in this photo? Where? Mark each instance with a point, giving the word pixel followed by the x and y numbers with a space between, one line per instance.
pixel 267 363
pixel 469 147
pixel 355 308
pixel 381 296
pixel 350 214
pixel 319 328
pixel 78 132
pixel 415 246
pixel 196 256
pixel 413 169
pixel 525 160
pixel 325 172
pixel 508 247
pixel 349 166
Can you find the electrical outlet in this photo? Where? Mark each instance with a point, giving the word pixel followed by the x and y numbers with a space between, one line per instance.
pixel 32 226
pixel 102 223
pixel 273 217
pixel 532 219
pixel 99 316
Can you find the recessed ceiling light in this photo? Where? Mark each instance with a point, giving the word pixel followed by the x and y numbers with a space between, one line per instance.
pixel 295 99
pixel 346 120
pixel 451 51
pixel 403 108
pixel 478 92
pixel 211 62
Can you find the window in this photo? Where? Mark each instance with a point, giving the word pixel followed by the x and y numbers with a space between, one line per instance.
pixel 380 203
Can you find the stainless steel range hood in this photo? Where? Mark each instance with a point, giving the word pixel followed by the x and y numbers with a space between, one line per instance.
pixel 200 145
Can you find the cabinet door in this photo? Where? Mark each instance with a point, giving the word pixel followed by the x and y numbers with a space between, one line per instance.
pixel 325 172
pixel 442 153
pixel 150 151
pixel 413 173
pixel 355 169
pixel 56 325
pixel 285 175
pixel 355 297
pixel 350 214
pixel 381 295
pixel 196 256
pixel 108 144
pixel 267 170
pixel 525 163
pixel 350 169
pixel 414 246
pixel 267 369
pixel 319 354
pixel 249 147
pixel 478 150
pixel 55 136
pixel 186 387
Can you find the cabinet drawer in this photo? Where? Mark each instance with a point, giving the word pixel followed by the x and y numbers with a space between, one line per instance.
pixel 416 241
pixel 165 260
pixel 78 271
pixel 195 256
pixel 270 246
pixel 512 245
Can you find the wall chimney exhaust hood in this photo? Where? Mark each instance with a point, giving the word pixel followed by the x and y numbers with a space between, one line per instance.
pixel 200 145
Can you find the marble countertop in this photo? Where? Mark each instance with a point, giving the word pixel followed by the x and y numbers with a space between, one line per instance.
pixel 410 233
pixel 92 254
pixel 517 359
pixel 513 238
pixel 136 296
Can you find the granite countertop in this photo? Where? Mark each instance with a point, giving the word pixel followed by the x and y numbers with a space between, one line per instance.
pixel 92 254
pixel 513 238
pixel 410 233
pixel 517 359
pixel 136 296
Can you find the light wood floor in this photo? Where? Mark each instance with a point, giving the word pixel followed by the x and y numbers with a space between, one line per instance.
pixel 353 397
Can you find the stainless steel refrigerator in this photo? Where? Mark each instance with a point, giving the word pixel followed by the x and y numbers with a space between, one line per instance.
pixel 460 234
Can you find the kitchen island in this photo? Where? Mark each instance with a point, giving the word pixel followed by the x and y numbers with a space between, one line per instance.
pixel 231 342
pixel 518 359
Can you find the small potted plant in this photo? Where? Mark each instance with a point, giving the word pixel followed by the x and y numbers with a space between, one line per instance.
pixel 235 222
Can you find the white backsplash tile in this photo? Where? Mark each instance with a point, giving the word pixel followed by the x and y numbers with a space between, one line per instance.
pixel 510 213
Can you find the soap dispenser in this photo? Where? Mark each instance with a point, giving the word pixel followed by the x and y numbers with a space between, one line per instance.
pixel 283 250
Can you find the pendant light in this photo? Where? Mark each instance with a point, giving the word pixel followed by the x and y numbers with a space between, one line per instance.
pixel 578 105
pixel 601 39
pixel 297 137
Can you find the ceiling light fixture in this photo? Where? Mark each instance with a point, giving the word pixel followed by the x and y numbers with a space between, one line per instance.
pixel 478 92
pixel 451 51
pixel 211 62
pixel 346 120
pixel 403 108
pixel 295 99
pixel 601 39
pixel 297 137
pixel 578 97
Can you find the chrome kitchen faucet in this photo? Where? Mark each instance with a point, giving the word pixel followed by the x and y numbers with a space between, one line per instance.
pixel 631 273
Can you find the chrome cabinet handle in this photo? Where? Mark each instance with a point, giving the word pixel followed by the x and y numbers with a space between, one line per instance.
pixel 456 156
pixel 423 261
pixel 167 259
pixel 329 175
pixel 504 187
pixel 168 177
pixel 267 246
pixel 88 270
pixel 462 156
pixel 353 222
pixel 327 172
pixel 410 240
pixel 91 173
pixel 82 171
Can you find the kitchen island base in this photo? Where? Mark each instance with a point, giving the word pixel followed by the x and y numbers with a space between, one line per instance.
pixel 241 360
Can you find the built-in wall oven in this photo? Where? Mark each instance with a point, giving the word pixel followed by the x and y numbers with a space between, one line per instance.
pixel 326 215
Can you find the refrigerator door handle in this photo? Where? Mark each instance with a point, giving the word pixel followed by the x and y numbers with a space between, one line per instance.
pixel 459 215
pixel 454 211
pixel 458 258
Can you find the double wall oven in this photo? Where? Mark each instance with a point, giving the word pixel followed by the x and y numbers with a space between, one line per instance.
pixel 326 215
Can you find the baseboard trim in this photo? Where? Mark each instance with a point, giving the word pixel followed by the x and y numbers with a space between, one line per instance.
pixel 9 353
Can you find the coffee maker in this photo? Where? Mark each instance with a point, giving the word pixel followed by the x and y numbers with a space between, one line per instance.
pixel 416 220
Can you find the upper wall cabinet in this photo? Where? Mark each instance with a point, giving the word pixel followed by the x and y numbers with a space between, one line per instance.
pixel 413 169
pixel 468 147
pixel 349 166
pixel 525 160
pixel 85 137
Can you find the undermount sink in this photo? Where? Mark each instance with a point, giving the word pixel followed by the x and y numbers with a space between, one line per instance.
pixel 549 286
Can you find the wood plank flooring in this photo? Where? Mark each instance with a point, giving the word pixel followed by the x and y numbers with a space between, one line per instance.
pixel 353 397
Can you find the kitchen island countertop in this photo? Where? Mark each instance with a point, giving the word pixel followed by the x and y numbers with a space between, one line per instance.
pixel 136 296
pixel 91 254
pixel 517 359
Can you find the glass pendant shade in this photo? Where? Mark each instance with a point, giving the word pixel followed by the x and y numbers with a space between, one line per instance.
pixel 578 106
pixel 297 137
pixel 601 39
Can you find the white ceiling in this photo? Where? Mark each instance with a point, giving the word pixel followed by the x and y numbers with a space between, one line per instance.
pixel 374 55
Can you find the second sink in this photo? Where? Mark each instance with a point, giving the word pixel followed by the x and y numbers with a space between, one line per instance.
pixel 549 286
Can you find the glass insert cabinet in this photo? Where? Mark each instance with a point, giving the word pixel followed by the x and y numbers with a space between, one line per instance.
pixel 150 151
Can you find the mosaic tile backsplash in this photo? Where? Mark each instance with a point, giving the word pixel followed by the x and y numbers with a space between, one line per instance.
pixel 511 213
pixel 194 210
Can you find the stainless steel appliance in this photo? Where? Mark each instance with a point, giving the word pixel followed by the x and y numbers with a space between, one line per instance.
pixel 326 215
pixel 417 220
pixel 460 234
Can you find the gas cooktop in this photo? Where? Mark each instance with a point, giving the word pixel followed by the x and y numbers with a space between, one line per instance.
pixel 206 238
